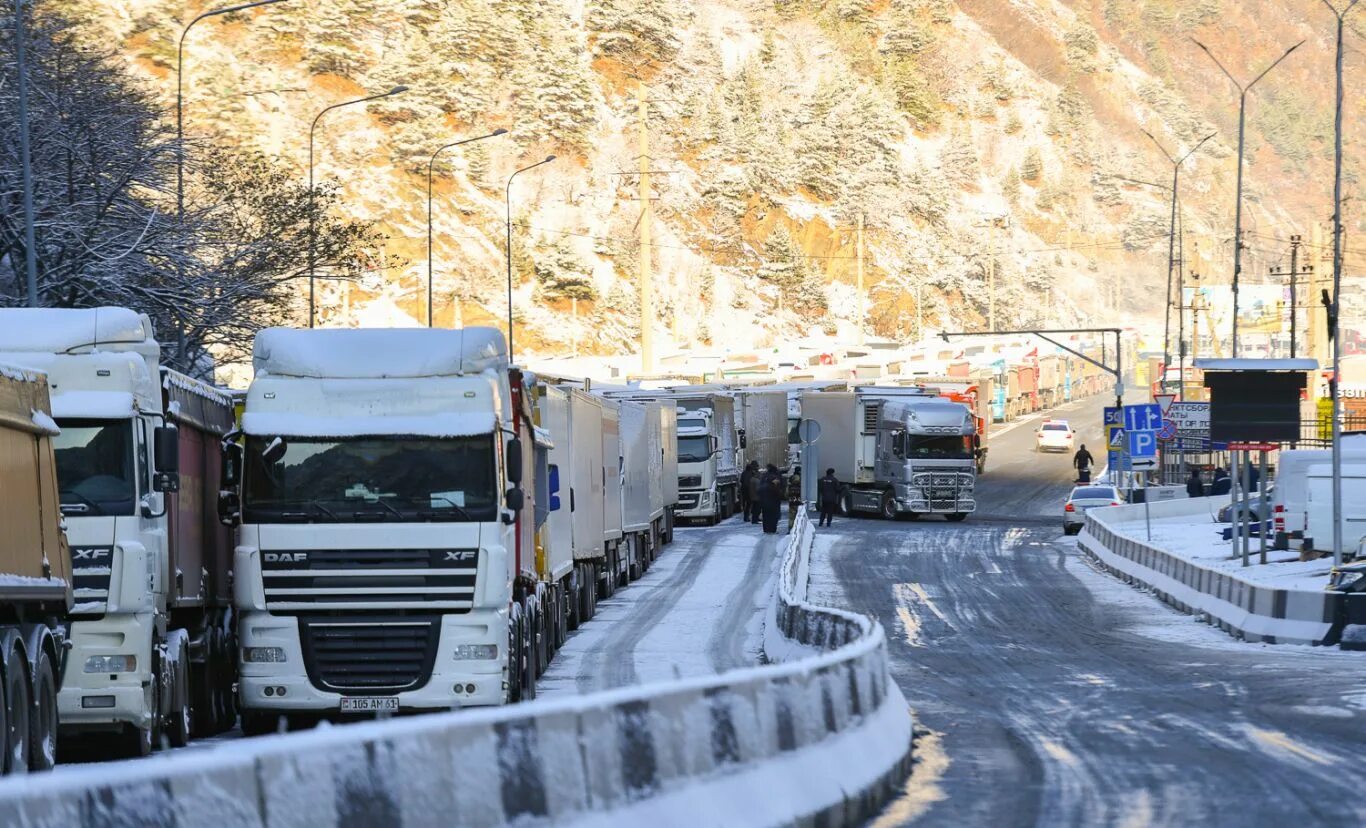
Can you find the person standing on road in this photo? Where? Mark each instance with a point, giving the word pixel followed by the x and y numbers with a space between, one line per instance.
pixel 771 498
pixel 1222 482
pixel 827 497
pixel 746 503
pixel 794 496
pixel 1082 461
pixel 753 489
pixel 1195 487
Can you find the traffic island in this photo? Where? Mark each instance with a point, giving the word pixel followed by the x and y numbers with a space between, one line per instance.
pixel 1188 565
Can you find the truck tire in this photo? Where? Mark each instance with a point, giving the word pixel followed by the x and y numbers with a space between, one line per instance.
pixel 18 709
pixel 846 503
pixel 956 517
pixel 43 728
pixel 515 657
pixel 887 506
pixel 227 676
pixel 529 665
pixel 182 708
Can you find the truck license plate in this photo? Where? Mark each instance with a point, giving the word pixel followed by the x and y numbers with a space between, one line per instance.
pixel 369 704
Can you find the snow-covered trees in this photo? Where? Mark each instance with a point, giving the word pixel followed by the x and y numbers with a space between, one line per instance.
pixel 634 30
pixel 562 274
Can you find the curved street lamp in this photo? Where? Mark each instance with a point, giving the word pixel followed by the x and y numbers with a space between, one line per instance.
pixel 312 225
pixel 180 96
pixel 507 200
pixel 430 164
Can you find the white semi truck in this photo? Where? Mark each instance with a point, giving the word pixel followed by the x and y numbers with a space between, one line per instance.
pixel 35 576
pixel 897 453
pixel 151 642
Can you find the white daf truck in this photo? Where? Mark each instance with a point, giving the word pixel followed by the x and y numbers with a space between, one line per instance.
pixel 897 453
pixel 151 648
pixel 386 551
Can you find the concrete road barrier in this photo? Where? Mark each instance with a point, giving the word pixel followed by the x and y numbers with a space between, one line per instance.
pixel 822 739
pixel 1235 604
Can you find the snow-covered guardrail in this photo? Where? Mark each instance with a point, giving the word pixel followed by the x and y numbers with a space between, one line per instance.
pixel 821 738
pixel 1236 604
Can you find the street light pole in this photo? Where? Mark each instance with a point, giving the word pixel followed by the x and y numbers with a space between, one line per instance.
pixel 1336 307
pixel 1238 203
pixel 1171 248
pixel 180 96
pixel 507 201
pixel 430 164
pixel 312 223
pixel 25 160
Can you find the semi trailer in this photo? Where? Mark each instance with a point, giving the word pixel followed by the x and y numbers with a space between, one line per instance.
pixel 898 453
pixel 151 643
pixel 35 575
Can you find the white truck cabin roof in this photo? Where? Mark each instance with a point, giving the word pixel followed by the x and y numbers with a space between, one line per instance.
pixel 378 353
pixel 931 413
pixel 98 385
pixel 77 330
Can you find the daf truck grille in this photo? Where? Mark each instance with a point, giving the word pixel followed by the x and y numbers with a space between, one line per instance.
pixel 300 581
pixel 90 571
pixel 369 655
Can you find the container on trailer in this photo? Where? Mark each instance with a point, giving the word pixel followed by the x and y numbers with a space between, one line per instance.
pixel 586 480
pixel 557 544
pixel 668 442
pixel 762 415
pixel 637 467
pixel 611 461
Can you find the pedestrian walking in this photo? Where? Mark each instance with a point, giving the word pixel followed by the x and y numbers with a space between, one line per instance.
pixel 827 497
pixel 747 502
pixel 771 498
pixel 753 489
pixel 794 496
pixel 1195 487
pixel 1082 461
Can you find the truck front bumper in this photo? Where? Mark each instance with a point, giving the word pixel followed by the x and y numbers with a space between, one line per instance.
pixel 696 504
pixel 285 686
pixel 107 701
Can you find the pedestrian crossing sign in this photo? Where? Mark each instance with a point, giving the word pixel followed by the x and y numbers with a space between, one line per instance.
pixel 1114 437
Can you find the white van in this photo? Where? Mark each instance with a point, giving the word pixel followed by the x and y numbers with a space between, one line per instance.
pixel 1318 533
pixel 1291 494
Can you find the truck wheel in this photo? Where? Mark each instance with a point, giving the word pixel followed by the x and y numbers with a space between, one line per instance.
pixel 515 658
pixel 178 730
pixel 136 742
pixel 846 504
pixel 18 710
pixel 887 507
pixel 529 666
pixel 956 517
pixel 227 694
pixel 43 728
pixel 204 686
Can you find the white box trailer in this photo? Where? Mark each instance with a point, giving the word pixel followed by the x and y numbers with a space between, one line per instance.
pixel 1318 532
pixel 1290 499
pixel 668 450
pixel 761 419
pixel 636 467
pixel 552 495
pixel 586 478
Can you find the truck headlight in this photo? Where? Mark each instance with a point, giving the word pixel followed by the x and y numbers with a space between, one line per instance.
pixel 111 664
pixel 263 655
pixel 475 652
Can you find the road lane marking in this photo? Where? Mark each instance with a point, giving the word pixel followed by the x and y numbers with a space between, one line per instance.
pixel 1277 742
pixel 922 788
pixel 1060 753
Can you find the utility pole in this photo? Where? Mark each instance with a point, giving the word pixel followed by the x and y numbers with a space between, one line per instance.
pixel 647 306
pixel 1293 277
pixel 862 303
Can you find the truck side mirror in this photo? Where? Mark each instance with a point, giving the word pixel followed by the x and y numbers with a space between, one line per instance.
pixel 514 500
pixel 514 459
pixel 715 443
pixel 166 456
pixel 231 473
pixel 229 508
pixel 743 442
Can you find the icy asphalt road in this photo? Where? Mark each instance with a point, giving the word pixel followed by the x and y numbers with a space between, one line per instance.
pixel 1052 694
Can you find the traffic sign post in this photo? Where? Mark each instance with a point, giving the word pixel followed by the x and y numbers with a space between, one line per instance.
pixel 1164 402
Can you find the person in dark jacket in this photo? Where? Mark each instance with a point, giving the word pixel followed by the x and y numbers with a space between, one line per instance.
pixel 1082 461
pixel 828 497
pixel 1222 483
pixel 753 488
pixel 771 491
pixel 794 496
pixel 1195 487
pixel 746 505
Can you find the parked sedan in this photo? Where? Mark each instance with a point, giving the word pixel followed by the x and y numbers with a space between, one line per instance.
pixel 1083 498
pixel 1250 507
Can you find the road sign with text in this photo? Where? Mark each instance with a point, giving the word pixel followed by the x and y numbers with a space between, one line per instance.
pixel 1114 415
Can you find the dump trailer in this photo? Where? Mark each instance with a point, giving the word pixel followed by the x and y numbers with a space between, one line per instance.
pixel 386 558
pixel 761 423
pixel 35 575
pixel 896 452
pixel 151 639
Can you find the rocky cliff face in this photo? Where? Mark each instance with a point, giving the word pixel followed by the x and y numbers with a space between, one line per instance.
pixel 978 141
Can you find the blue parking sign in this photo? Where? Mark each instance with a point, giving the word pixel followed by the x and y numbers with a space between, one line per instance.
pixel 1142 443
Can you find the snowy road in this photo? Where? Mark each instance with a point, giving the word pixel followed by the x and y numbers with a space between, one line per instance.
pixel 698 611
pixel 1055 695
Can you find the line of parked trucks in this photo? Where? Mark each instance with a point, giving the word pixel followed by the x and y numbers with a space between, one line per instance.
pixel 385 521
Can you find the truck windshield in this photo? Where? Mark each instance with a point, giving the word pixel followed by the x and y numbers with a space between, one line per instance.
pixel 694 449
pixel 95 468
pixel 956 447
pixel 369 479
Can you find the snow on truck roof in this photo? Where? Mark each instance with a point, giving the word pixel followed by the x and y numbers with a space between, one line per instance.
pixel 60 330
pixel 377 353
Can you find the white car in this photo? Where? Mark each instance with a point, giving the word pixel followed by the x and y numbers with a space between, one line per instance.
pixel 1054 435
pixel 1083 498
